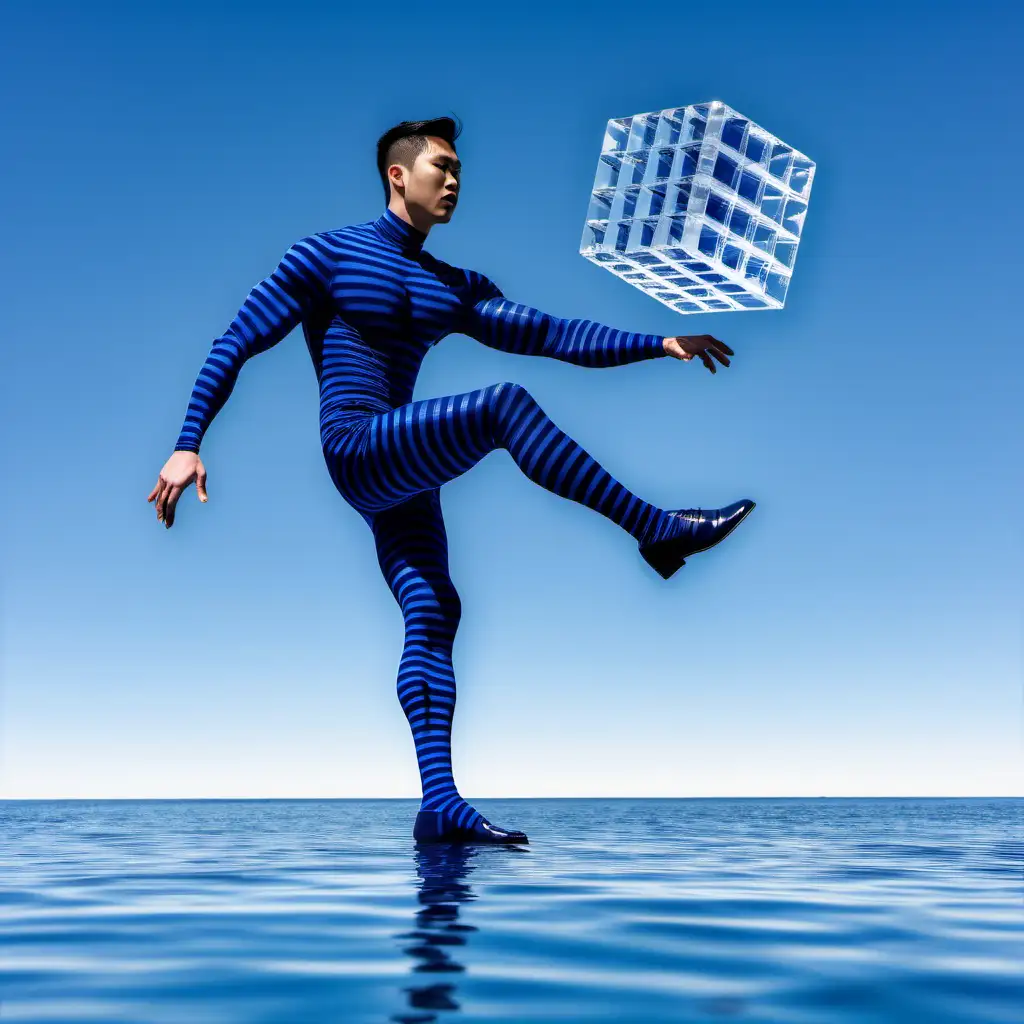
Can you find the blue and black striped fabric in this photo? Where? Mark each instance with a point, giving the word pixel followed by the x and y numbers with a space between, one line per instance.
pixel 372 301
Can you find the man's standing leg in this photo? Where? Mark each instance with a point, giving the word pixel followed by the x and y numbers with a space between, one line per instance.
pixel 412 549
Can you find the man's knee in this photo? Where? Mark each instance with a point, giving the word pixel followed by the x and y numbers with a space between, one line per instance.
pixel 509 398
pixel 509 390
pixel 435 613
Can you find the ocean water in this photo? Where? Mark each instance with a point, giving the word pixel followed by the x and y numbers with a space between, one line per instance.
pixel 755 910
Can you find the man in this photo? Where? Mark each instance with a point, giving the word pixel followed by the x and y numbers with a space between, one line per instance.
pixel 372 301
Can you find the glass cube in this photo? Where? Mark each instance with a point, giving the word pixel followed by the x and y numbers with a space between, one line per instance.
pixel 698 207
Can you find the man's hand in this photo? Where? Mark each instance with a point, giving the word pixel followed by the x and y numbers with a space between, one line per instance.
pixel 687 346
pixel 178 472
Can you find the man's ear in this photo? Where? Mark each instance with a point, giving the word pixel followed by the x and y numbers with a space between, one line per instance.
pixel 396 175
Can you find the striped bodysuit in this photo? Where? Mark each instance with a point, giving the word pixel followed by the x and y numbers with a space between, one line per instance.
pixel 371 302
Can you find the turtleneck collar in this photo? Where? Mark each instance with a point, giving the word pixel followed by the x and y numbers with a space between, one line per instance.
pixel 404 235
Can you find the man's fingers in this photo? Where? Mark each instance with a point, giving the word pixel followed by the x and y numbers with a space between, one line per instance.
pixel 717 348
pixel 706 346
pixel 153 493
pixel 172 500
pixel 161 499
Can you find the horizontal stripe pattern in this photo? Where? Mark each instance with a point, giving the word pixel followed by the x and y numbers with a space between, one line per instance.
pixel 372 301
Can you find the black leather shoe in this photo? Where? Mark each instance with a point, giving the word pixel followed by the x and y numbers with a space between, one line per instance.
pixel 434 827
pixel 685 531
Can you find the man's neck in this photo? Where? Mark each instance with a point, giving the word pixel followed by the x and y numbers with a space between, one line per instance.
pixel 397 207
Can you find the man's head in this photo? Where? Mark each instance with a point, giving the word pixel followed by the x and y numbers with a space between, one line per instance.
pixel 419 167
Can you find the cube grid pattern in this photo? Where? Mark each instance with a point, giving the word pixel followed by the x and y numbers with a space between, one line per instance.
pixel 698 207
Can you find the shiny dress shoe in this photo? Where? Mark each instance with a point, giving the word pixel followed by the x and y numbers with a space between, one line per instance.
pixel 436 827
pixel 682 532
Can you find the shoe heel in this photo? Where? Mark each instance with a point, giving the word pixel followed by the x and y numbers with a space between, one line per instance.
pixel 429 827
pixel 662 560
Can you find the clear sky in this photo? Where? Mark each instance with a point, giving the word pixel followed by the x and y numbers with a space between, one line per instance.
pixel 859 634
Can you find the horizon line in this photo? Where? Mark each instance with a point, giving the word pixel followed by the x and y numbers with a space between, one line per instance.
pixel 322 799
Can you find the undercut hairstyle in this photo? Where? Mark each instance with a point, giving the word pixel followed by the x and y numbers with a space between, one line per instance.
pixel 403 143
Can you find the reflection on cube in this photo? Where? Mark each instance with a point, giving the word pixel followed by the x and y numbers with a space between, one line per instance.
pixel 699 207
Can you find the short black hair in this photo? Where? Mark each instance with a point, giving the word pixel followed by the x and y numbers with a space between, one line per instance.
pixel 403 143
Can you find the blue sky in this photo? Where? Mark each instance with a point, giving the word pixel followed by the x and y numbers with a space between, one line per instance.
pixel 858 635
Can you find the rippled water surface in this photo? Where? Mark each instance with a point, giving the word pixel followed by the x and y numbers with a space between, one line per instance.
pixel 618 910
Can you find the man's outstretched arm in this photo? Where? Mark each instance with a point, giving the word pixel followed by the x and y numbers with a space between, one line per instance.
pixel 511 326
pixel 269 312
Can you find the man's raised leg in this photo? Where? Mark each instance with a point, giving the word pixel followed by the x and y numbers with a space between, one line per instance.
pixel 426 443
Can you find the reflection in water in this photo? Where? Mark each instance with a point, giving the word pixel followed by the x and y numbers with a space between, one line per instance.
pixel 721 911
pixel 437 937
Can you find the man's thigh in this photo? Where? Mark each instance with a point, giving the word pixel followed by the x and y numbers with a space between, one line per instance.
pixel 417 448
pixel 412 551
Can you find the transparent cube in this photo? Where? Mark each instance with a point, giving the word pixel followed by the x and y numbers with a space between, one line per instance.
pixel 698 207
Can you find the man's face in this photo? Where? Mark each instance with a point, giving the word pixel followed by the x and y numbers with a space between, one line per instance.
pixel 432 184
